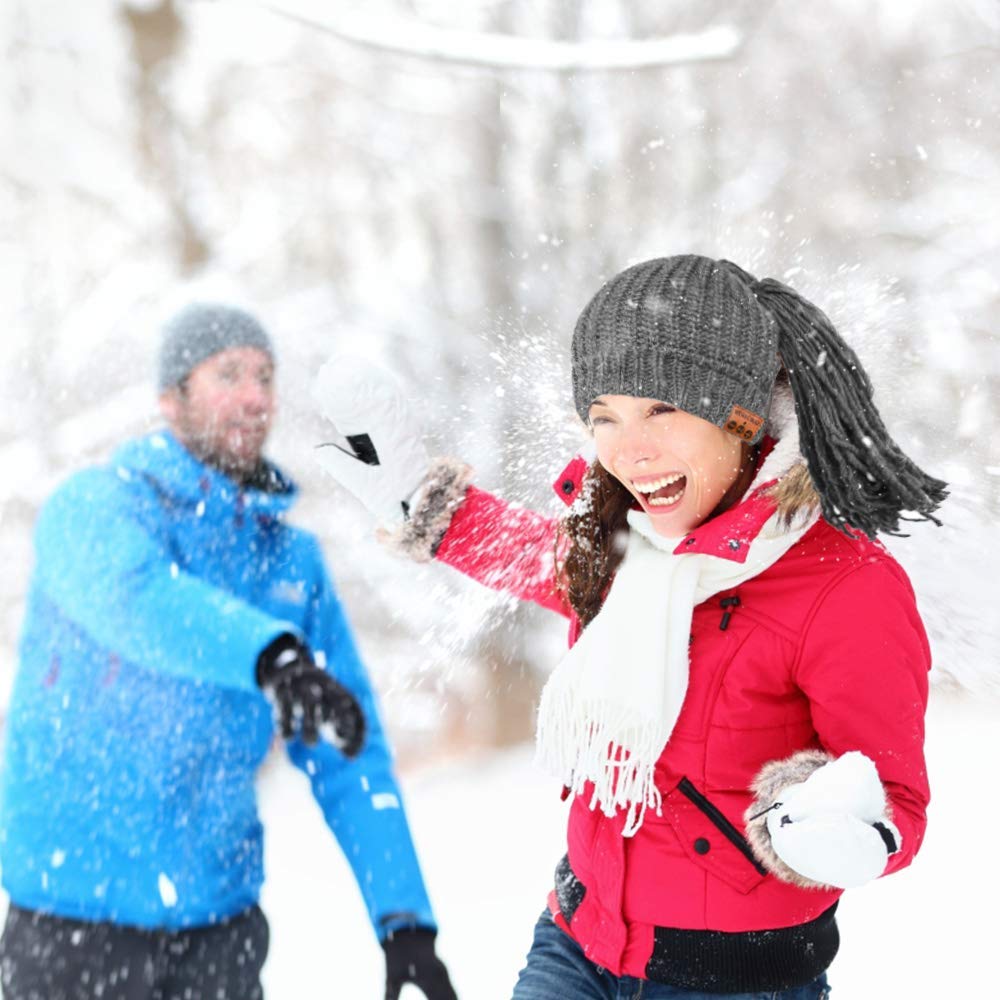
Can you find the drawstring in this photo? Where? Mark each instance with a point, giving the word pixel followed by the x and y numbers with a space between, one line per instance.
pixel 764 812
pixel 726 603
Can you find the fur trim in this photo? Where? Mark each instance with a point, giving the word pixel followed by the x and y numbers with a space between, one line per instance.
pixel 767 787
pixel 434 502
pixel 783 426
pixel 795 495
pixel 793 492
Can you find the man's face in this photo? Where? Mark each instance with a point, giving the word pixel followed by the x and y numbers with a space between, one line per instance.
pixel 222 412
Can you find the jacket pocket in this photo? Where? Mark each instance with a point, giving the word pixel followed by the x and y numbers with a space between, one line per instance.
pixel 710 840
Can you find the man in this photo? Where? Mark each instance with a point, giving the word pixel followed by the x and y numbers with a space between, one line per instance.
pixel 171 610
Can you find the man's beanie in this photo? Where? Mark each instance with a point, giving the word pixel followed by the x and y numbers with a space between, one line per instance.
pixel 707 337
pixel 201 330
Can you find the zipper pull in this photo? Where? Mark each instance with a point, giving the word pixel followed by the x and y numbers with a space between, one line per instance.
pixel 726 603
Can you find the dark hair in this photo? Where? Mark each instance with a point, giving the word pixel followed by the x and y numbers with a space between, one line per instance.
pixel 590 541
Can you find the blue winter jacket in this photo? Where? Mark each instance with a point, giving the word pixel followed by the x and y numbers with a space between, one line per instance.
pixel 135 726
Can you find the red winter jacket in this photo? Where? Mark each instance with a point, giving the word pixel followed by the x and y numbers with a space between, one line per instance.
pixel 824 649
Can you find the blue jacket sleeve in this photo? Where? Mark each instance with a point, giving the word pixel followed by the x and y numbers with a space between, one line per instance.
pixel 104 561
pixel 360 798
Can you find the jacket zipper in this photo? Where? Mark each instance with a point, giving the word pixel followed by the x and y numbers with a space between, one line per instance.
pixel 719 820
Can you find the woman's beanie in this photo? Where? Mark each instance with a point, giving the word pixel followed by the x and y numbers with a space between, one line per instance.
pixel 684 330
pixel 709 338
pixel 201 330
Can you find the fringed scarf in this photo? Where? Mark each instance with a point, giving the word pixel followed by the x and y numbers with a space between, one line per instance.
pixel 610 706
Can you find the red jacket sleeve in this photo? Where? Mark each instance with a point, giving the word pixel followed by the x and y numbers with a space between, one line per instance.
pixel 504 547
pixel 863 664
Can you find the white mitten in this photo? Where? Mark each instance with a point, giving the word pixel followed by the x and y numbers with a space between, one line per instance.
pixel 832 828
pixel 382 458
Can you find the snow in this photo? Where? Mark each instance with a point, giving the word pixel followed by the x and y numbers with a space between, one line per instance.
pixel 168 891
pixel 489 831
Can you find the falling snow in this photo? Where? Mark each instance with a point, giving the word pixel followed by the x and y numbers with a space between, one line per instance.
pixel 451 223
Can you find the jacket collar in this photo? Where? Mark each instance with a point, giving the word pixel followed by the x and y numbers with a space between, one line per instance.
pixel 160 457
pixel 729 535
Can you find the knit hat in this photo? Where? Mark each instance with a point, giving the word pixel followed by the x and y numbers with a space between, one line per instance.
pixel 684 330
pixel 201 330
pixel 707 337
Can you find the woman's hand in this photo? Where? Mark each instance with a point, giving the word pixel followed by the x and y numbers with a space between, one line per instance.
pixel 380 456
pixel 833 828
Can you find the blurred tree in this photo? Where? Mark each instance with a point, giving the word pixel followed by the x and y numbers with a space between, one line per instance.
pixel 399 185
pixel 156 35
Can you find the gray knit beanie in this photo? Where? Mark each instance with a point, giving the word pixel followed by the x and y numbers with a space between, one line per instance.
pixel 201 330
pixel 684 330
pixel 709 338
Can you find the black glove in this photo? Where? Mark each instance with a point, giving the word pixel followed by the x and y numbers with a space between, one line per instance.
pixel 307 696
pixel 410 958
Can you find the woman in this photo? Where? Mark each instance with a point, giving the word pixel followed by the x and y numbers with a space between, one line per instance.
pixel 740 717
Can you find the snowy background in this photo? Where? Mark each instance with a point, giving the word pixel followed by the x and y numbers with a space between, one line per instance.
pixel 442 186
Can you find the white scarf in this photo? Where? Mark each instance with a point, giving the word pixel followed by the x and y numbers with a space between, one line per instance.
pixel 611 704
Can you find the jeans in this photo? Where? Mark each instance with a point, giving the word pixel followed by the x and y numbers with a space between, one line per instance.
pixel 51 958
pixel 558 970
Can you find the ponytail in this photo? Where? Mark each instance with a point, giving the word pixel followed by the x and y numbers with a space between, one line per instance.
pixel 864 481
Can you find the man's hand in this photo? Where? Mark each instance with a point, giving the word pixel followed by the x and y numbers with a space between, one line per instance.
pixel 307 699
pixel 410 958
pixel 832 827
pixel 381 458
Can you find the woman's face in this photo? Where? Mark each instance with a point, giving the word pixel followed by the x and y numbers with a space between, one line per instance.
pixel 678 466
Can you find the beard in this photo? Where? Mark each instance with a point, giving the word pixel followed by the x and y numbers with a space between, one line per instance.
pixel 235 451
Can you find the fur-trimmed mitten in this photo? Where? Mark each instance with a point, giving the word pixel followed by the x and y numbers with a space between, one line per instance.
pixel 431 507
pixel 818 822
pixel 382 459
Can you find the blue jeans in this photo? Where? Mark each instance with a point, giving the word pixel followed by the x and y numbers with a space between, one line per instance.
pixel 558 970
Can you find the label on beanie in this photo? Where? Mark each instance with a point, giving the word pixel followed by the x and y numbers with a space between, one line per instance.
pixel 743 423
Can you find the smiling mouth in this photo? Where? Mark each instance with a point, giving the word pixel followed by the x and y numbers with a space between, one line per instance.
pixel 663 492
